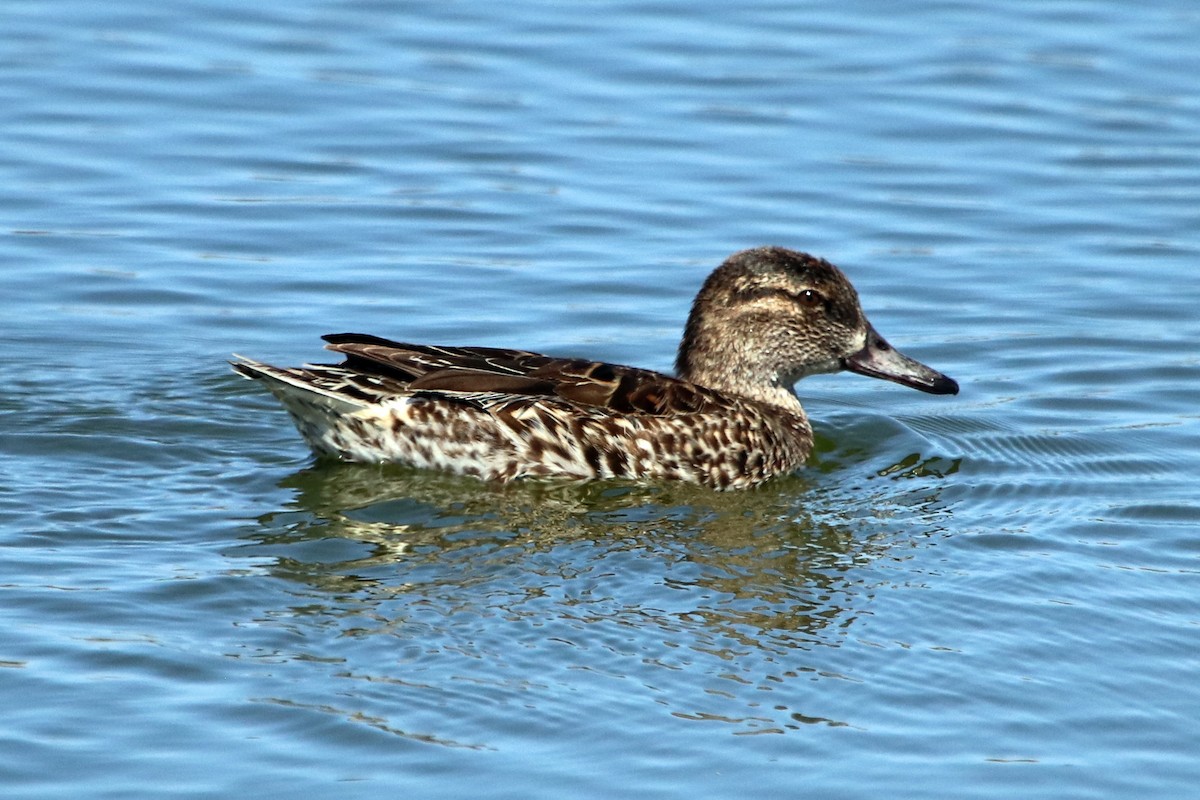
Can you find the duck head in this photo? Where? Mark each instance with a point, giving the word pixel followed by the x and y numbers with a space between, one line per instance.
pixel 770 316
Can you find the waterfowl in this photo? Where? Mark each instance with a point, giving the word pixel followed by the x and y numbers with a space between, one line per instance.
pixel 730 419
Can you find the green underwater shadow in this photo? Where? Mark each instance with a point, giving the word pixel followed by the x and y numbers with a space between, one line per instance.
pixel 789 545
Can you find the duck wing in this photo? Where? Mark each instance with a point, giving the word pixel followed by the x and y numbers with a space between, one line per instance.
pixel 432 370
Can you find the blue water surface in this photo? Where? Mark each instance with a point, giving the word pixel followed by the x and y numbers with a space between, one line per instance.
pixel 995 595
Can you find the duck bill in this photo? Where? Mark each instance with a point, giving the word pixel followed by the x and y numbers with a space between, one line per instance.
pixel 878 359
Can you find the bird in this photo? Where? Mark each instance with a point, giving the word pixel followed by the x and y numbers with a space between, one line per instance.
pixel 728 419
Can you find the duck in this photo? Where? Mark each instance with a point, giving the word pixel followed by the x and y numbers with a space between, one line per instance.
pixel 728 419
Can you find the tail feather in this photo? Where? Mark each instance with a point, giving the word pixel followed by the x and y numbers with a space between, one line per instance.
pixel 300 390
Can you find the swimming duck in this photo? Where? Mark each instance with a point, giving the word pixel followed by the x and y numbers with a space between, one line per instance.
pixel 763 320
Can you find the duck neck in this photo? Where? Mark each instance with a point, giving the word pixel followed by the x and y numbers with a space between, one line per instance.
pixel 730 368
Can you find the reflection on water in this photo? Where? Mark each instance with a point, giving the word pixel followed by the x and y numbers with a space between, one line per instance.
pixel 731 589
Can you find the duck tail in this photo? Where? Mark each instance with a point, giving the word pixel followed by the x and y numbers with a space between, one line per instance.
pixel 304 392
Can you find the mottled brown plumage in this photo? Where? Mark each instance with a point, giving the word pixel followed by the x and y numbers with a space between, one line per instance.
pixel 763 320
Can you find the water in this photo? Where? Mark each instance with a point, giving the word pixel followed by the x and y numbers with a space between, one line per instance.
pixel 993 595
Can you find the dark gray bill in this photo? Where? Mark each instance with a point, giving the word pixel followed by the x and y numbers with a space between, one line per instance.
pixel 878 359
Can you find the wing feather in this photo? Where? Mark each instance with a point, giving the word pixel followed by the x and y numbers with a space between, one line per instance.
pixel 430 369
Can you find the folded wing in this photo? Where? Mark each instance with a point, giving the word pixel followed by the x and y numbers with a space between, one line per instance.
pixel 491 371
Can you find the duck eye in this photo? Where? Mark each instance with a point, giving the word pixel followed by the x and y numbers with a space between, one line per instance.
pixel 810 298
